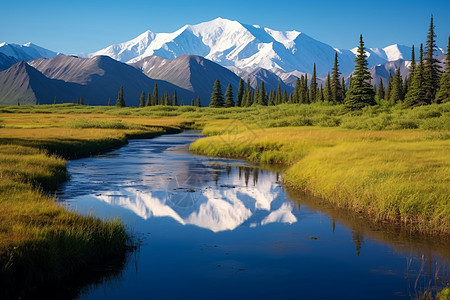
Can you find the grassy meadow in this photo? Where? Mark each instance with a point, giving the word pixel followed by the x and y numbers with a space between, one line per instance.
pixel 390 164
pixel 40 241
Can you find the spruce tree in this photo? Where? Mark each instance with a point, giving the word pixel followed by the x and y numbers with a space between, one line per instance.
pixel 272 98
pixel 431 66
pixel 229 101
pixel 313 86
pixel 255 96
pixel 380 90
pixel 217 95
pixel 240 93
pixel 142 100
pixel 321 97
pixel 149 100
pixel 284 98
pixel 413 61
pixel 155 95
pixel 192 102
pixel 120 101
pixel 396 94
pixel 54 100
pixel 249 94
pixel 109 102
pixel 278 98
pixel 175 99
pixel 416 92
pixel 197 103
pixel 296 94
pixel 443 95
pixel 81 100
pixel 328 94
pixel 336 89
pixel 261 98
pixel 361 92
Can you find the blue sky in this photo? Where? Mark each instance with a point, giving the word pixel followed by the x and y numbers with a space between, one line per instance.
pixel 87 26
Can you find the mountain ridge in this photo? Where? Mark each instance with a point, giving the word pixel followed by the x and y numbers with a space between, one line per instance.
pixel 230 43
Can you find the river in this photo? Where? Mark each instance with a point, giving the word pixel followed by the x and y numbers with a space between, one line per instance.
pixel 226 229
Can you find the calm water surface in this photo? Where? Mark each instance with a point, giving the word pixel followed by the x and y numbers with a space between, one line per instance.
pixel 225 229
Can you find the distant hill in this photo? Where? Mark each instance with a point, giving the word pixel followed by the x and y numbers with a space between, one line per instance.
pixel 97 79
pixel 6 61
pixel 191 72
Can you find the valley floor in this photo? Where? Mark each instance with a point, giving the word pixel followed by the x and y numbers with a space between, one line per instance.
pixel 389 164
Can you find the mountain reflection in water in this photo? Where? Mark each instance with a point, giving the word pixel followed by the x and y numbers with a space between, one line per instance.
pixel 217 226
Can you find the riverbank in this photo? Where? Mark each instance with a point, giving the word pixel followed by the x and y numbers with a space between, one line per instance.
pixel 41 243
pixel 400 177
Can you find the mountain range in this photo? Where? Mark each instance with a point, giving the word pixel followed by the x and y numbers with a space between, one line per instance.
pixel 97 79
pixel 189 60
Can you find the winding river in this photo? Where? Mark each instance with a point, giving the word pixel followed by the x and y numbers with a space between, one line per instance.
pixel 226 229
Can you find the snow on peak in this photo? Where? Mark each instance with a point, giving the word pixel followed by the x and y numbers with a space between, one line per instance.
pixel 233 44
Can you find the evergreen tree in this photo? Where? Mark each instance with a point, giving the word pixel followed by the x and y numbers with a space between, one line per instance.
pixel 328 94
pixel 443 95
pixel 396 94
pixel 240 93
pixel 142 100
pixel 120 101
pixel 217 95
pixel 155 95
pixel 336 89
pixel 361 92
pixel 284 98
pixel 321 97
pixel 413 61
pixel 81 100
pixel 272 98
pixel 197 103
pixel 261 97
pixel 279 96
pixel 296 94
pixel 416 92
pixel 229 101
pixel 313 86
pixel 249 94
pixel 149 100
pixel 175 99
pixel 405 87
pixel 431 66
pixel 109 101
pixel 54 100
pixel 303 92
pixel 192 102
pixel 380 90
pixel 255 96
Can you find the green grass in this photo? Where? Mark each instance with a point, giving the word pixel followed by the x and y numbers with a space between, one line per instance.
pixel 385 162
pixel 382 117
pixel 40 241
pixel 402 177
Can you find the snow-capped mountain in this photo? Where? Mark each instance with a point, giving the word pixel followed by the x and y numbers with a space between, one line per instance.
pixel 26 52
pixel 233 44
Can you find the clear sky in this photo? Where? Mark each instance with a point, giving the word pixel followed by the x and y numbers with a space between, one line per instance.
pixel 86 26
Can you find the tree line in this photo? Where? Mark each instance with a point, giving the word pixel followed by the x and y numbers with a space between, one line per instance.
pixel 426 84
